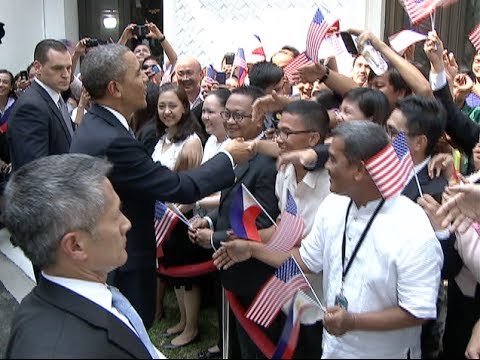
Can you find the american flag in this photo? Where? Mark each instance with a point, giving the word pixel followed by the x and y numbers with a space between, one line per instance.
pixel 316 33
pixel 418 10
pixel 288 279
pixel 474 37
pixel 390 168
pixel 211 73
pixel 164 221
pixel 291 69
pixel 240 62
pixel 290 229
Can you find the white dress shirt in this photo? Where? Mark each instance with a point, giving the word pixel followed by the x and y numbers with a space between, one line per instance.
pixel 93 291
pixel 119 116
pixel 97 293
pixel 398 264
pixel 53 94
pixel 308 193
pixel 212 147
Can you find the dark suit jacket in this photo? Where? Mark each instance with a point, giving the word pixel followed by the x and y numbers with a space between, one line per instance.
pixel 139 181
pixel 54 322
pixel 258 175
pixel 452 262
pixel 429 186
pixel 463 131
pixel 36 128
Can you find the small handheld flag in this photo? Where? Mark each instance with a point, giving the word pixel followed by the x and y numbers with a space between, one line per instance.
pixel 389 168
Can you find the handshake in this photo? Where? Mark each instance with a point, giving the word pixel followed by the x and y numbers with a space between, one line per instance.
pixel 240 150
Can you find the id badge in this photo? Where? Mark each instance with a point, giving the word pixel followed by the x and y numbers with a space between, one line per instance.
pixel 341 301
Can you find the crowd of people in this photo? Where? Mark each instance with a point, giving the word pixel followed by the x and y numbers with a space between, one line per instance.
pixel 90 157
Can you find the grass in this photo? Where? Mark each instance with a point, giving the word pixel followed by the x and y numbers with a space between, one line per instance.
pixel 208 328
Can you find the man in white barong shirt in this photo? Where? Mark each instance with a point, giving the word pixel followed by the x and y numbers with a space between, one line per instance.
pixel 392 283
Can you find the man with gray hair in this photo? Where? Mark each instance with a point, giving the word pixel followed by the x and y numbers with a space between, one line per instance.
pixel 65 215
pixel 112 76
pixel 380 258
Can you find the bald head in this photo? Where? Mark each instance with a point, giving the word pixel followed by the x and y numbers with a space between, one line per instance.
pixel 189 76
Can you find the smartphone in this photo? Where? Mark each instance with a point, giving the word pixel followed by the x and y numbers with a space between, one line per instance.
pixel 221 77
pixel 229 57
pixel 24 75
pixel 156 68
pixel 91 43
pixel 349 43
pixel 140 30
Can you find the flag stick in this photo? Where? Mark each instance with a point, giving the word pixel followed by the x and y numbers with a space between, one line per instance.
pixel 311 288
pixel 180 215
pixel 225 325
pixel 418 183
pixel 261 207
pixel 432 19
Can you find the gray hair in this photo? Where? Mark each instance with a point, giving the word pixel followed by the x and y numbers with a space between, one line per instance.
pixel 362 139
pixel 101 65
pixel 51 196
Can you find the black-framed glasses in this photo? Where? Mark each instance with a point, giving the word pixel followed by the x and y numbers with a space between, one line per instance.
pixel 236 116
pixel 284 134
pixel 393 132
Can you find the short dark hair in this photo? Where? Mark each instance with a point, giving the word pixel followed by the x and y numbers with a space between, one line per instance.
pixel 221 94
pixel 313 115
pixel 328 99
pixel 188 123
pixel 425 116
pixel 264 74
pixel 42 48
pixel 253 92
pixel 373 103
pixel 292 49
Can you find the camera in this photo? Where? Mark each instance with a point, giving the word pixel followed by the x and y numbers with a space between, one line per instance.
pixel 24 75
pixel 140 31
pixel 91 43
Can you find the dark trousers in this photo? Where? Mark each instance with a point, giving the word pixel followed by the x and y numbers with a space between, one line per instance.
pixel 139 287
pixel 462 314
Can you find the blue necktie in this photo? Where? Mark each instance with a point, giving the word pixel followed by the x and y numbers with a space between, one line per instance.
pixel 122 304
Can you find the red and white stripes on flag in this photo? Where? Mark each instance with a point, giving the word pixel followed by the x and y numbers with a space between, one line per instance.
pixel 418 10
pixel 474 37
pixel 390 168
pixel 280 288
pixel 164 222
pixel 291 69
pixel 290 230
pixel 316 33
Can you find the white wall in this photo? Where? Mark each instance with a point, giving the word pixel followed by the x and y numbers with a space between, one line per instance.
pixel 207 29
pixel 29 21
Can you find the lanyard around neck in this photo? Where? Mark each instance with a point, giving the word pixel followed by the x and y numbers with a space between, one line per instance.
pixel 362 237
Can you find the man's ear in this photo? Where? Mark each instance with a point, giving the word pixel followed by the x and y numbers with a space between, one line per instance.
pixel 114 89
pixel 73 244
pixel 420 143
pixel 360 172
pixel 314 139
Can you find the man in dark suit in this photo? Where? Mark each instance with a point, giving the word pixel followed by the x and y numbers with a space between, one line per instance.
pixel 65 215
pixel 112 76
pixel 39 124
pixel 258 175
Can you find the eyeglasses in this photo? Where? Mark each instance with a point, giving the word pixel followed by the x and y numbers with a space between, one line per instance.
pixel 237 117
pixel 393 132
pixel 284 134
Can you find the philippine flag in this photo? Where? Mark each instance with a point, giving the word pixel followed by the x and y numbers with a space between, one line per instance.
pixel 244 210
